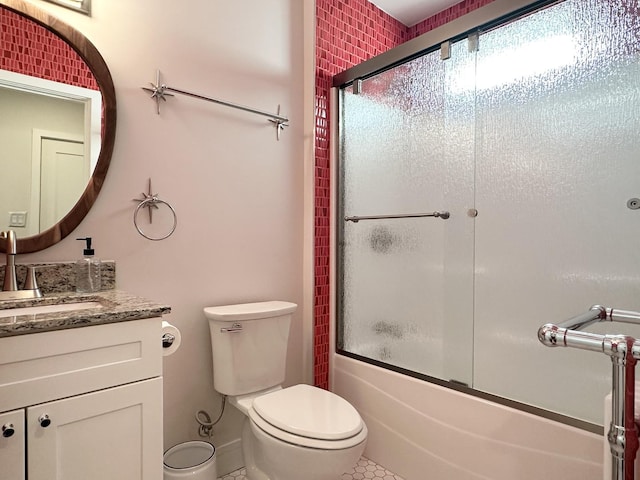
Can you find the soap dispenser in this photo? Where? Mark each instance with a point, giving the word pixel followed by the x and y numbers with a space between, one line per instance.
pixel 88 275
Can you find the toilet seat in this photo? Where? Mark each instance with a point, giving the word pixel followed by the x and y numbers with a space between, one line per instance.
pixel 308 416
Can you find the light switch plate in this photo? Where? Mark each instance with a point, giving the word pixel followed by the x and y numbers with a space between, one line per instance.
pixel 17 219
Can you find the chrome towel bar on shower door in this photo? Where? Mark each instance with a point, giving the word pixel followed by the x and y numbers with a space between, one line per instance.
pixel 624 352
pixel 356 219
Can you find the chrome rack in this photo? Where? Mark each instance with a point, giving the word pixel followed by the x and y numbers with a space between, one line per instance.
pixel 159 91
pixel 624 352
pixel 356 218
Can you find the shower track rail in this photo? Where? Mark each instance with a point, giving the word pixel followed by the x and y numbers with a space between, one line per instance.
pixel 356 218
pixel 624 352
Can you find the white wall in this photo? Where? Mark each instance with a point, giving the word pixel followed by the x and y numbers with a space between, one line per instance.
pixel 238 193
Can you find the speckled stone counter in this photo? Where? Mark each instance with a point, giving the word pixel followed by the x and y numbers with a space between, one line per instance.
pixel 115 306
pixel 59 277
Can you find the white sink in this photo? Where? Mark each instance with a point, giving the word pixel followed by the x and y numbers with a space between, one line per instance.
pixel 36 309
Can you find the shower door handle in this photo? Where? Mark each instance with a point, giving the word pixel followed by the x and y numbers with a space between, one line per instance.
pixel 356 218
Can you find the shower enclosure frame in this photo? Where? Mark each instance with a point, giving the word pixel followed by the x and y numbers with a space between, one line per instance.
pixel 479 21
pixel 483 19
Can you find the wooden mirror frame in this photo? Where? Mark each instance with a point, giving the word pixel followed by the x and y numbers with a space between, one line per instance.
pixel 91 56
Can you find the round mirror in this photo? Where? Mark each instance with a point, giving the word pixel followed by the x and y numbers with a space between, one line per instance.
pixel 57 139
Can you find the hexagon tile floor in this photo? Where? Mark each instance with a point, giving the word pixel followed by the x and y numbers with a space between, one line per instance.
pixel 365 469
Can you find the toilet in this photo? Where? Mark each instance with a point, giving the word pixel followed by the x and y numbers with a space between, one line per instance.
pixel 288 433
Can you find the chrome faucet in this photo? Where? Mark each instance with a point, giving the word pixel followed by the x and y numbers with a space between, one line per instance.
pixel 10 289
pixel 10 283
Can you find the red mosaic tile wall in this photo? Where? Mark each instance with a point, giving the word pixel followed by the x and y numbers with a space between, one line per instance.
pixel 348 32
pixel 445 16
pixel 30 49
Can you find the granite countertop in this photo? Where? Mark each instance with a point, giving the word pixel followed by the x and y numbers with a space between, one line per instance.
pixel 115 306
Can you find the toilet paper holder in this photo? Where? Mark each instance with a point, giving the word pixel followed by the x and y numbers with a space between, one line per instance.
pixel 167 340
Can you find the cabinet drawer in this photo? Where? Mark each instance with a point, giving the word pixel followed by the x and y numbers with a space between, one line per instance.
pixel 46 366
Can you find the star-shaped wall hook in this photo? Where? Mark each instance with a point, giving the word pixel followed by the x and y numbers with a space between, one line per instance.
pixel 150 200
pixel 158 92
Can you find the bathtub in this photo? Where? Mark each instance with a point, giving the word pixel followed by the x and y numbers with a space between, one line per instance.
pixel 422 431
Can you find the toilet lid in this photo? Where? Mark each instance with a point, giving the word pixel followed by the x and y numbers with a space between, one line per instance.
pixel 309 412
pixel 249 311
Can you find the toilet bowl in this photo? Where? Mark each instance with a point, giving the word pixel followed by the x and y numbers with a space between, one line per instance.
pixel 300 432
pixel 191 460
pixel 293 433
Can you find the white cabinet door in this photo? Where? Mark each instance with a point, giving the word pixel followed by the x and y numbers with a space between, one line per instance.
pixel 105 435
pixel 12 446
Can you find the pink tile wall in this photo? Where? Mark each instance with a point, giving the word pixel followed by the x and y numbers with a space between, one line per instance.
pixel 30 49
pixel 445 16
pixel 348 32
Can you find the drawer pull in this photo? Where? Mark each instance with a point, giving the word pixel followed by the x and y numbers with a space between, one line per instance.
pixel 8 430
pixel 44 420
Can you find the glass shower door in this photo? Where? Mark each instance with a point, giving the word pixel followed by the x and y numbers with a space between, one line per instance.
pixel 558 138
pixel 406 293
pixel 539 130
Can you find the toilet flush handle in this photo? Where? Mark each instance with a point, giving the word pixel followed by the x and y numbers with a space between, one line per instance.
pixel 234 328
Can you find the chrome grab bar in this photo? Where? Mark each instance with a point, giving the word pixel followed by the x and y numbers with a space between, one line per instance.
pixel 624 351
pixel 566 334
pixel 357 218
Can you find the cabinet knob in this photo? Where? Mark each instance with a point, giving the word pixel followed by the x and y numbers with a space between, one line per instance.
pixel 44 420
pixel 8 430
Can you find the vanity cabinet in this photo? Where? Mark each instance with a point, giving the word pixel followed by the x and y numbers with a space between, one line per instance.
pixel 83 403
pixel 12 446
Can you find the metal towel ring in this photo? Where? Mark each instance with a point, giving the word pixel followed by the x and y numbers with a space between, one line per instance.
pixel 151 201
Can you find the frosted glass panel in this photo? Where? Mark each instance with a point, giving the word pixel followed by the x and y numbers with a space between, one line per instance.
pixel 557 160
pixel 539 130
pixel 398 304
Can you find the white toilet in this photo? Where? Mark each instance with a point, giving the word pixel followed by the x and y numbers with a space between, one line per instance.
pixel 299 432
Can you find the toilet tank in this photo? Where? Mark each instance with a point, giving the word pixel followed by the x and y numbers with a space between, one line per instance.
pixel 249 345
